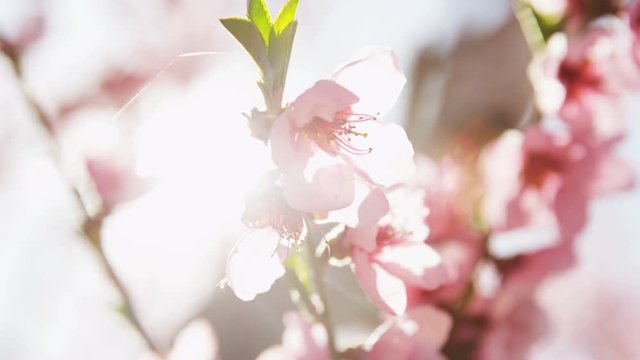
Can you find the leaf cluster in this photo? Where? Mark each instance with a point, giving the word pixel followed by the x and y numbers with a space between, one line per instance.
pixel 269 42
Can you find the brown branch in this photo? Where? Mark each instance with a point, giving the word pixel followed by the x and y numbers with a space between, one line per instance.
pixel 92 225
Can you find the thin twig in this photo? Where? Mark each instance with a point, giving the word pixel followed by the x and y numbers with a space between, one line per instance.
pixel 317 275
pixel 92 225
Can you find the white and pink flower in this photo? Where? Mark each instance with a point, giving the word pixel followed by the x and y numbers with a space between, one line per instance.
pixel 329 138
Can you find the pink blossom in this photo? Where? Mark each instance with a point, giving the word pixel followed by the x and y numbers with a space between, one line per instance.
pixel 419 334
pixel 448 202
pixel 582 80
pixel 301 340
pixel 634 25
pixel 329 137
pixel 255 263
pixel 115 180
pixel 388 257
pixel 196 341
pixel 542 181
pixel 514 329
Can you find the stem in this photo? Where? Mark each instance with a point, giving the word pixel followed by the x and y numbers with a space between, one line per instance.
pixel 317 276
pixel 92 225
pixel 529 25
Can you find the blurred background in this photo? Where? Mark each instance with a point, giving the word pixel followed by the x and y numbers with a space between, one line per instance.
pixel 156 89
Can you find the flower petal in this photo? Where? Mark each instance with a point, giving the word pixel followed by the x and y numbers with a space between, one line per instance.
pixel 415 263
pixel 391 158
pixel 324 99
pixel 612 174
pixel 331 188
pixel 372 209
pixel 196 341
pixel 434 325
pixel 254 265
pixel 287 151
pixel 377 79
pixel 385 290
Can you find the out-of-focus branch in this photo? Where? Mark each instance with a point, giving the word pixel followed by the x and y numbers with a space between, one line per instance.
pixel 317 275
pixel 92 224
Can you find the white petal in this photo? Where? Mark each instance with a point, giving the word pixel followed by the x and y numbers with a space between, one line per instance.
pixel 254 264
pixel 385 290
pixel 376 78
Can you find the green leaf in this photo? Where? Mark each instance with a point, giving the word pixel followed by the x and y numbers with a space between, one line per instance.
pixel 248 35
pixel 285 16
pixel 280 54
pixel 258 13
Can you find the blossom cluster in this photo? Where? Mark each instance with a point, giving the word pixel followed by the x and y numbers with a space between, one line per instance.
pixel 451 250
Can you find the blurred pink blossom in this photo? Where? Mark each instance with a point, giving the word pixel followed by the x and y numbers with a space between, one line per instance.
pixel 582 79
pixel 301 340
pixel 115 180
pixel 549 181
pixel 419 334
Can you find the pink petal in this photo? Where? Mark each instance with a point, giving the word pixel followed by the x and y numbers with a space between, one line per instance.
pixel 502 162
pixel 419 334
pixel 287 151
pixel 434 325
pixel 301 340
pixel 392 344
pixel 612 174
pixel 385 290
pixel 196 341
pixel 417 264
pixel 324 99
pixel 254 265
pixel 115 182
pixel 349 215
pixel 372 209
pixel 377 79
pixel 571 210
pixel 331 188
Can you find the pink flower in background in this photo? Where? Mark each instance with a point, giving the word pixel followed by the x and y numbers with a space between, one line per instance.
pixel 419 334
pixel 633 12
pixel 115 180
pixel 514 328
pixel 329 137
pixel 196 341
pixel 551 177
pixel 444 197
pixel 387 257
pixel 583 79
pixel 301 340
pixel 449 209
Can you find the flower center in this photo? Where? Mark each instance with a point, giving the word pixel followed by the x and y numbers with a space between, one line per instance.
pixel 335 136
pixel 266 206
pixel 578 76
pixel 288 224
pixel 538 167
pixel 386 235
